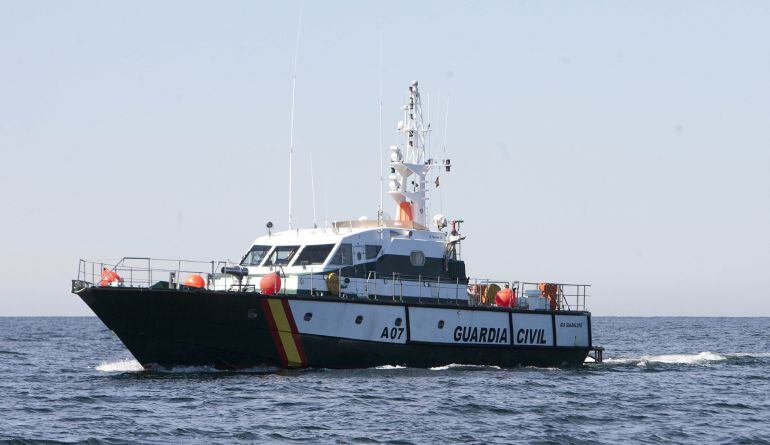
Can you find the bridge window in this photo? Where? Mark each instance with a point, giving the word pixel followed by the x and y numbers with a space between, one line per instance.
pixel 255 256
pixel 343 256
pixel 417 258
pixel 314 254
pixel 372 251
pixel 281 255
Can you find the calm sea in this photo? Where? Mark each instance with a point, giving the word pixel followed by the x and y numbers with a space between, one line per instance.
pixel 665 380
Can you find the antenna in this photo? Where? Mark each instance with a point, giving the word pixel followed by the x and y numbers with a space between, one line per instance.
pixel 326 207
pixel 291 130
pixel 428 157
pixel 446 120
pixel 312 186
pixel 430 119
pixel 379 145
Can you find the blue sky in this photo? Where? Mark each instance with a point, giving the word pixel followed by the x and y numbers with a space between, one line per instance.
pixel 623 144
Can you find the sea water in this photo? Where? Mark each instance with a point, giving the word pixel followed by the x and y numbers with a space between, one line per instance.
pixel 664 380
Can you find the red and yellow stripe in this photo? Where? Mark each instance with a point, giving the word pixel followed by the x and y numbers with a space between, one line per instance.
pixel 284 331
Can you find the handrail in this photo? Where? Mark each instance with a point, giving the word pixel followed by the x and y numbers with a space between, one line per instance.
pixel 394 286
pixel 135 275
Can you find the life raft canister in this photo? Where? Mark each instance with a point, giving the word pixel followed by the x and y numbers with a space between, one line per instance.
pixel 270 284
pixel 109 277
pixel 505 297
pixel 195 281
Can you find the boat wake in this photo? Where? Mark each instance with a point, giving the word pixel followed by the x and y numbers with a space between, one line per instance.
pixel 131 365
pixel 701 358
pixel 459 367
pixel 451 366
pixel 125 365
pixel 644 361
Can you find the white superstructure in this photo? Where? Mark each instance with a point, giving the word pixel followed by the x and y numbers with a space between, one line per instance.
pixel 405 257
pixel 397 259
pixel 409 165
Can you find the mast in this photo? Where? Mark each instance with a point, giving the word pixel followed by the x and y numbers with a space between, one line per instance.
pixel 291 125
pixel 408 166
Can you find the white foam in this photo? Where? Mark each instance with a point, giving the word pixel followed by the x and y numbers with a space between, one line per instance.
pixel 131 365
pixel 440 368
pixel 456 365
pixel 700 358
pixel 685 359
pixel 390 367
pixel 125 365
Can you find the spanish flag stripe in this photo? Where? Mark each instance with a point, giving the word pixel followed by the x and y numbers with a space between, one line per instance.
pixel 285 332
pixel 295 331
pixel 273 331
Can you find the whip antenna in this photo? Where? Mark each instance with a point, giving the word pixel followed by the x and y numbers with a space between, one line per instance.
pixel 291 129
pixel 326 207
pixel 312 187
pixel 446 121
pixel 379 144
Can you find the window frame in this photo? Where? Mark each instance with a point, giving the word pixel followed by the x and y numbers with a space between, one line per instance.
pixel 326 257
pixel 376 254
pixel 251 249
pixel 275 249
pixel 339 248
pixel 412 259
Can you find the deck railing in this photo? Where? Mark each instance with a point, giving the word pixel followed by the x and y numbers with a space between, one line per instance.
pixel 143 272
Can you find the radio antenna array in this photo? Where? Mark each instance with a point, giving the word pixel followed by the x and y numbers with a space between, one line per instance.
pixel 291 126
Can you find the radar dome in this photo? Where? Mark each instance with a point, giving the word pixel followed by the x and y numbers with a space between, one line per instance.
pixel 440 221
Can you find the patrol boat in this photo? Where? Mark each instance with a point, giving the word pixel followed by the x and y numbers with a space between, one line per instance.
pixel 361 293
